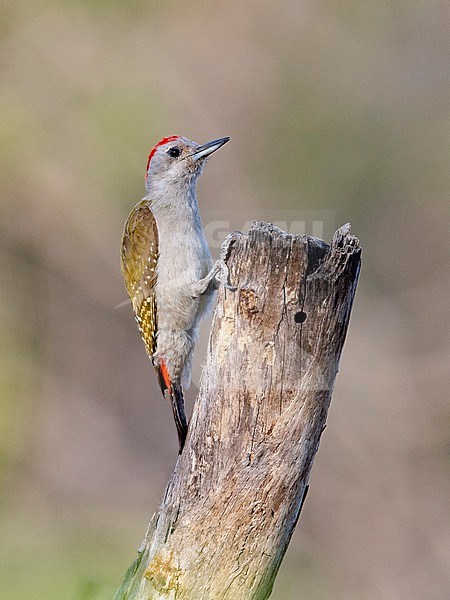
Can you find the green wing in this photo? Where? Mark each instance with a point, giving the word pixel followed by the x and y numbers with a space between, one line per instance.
pixel 139 259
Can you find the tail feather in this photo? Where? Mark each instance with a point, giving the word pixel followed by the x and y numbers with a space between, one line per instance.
pixel 179 414
pixel 177 401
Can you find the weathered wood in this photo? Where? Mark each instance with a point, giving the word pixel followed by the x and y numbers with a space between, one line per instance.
pixel 226 518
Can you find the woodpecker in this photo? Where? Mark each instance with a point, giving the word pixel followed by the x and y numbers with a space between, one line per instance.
pixel 167 266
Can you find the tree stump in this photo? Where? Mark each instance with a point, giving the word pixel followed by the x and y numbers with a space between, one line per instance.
pixel 229 510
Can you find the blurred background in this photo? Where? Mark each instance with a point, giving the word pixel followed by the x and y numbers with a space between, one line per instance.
pixel 337 111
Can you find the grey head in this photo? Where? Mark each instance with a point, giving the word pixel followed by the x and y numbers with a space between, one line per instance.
pixel 178 161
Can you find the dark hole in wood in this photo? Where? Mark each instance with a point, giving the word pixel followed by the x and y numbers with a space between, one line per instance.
pixel 300 317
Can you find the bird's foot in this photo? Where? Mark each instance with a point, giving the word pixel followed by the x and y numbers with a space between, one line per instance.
pixel 219 272
pixel 222 273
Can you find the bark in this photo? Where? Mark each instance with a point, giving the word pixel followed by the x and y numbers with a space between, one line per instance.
pixel 229 510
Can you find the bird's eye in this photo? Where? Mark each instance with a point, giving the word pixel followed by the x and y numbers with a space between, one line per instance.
pixel 174 152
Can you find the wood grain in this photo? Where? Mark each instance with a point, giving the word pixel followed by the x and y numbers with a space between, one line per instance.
pixel 229 510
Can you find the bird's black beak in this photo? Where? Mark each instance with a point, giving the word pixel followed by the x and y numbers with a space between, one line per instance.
pixel 206 149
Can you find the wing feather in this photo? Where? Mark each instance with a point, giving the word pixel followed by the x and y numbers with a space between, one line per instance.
pixel 139 259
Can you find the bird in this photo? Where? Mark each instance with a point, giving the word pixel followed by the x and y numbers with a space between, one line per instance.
pixel 167 266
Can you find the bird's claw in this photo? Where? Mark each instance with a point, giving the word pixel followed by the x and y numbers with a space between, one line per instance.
pixel 223 274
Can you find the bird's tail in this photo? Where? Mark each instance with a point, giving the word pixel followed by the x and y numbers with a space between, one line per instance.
pixel 177 400
pixel 179 414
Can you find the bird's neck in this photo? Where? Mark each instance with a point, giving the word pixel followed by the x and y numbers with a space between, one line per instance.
pixel 175 203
